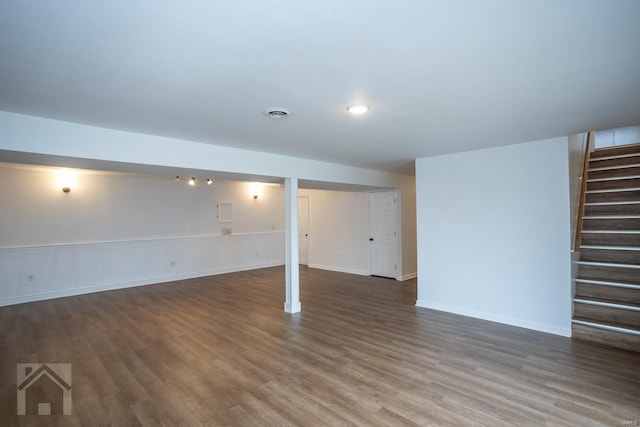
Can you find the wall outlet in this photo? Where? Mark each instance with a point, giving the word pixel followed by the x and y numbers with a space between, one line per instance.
pixel 30 277
pixel 257 254
pixel 172 263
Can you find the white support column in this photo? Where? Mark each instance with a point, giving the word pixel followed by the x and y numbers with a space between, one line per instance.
pixel 292 273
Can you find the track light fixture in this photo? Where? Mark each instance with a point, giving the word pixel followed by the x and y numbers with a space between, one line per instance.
pixel 192 181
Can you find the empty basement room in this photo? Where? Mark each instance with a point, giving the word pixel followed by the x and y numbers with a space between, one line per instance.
pixel 330 213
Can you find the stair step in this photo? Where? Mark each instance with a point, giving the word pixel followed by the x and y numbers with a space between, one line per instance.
pixel 613 196
pixel 611 238
pixel 600 209
pixel 611 255
pixel 620 150
pixel 630 223
pixel 609 272
pixel 612 184
pixel 607 303
pixel 597 311
pixel 626 294
pixel 605 334
pixel 624 160
pixel 614 173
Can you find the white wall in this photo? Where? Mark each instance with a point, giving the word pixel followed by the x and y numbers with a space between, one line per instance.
pixel 118 230
pixel 111 206
pixel 618 136
pixel 339 230
pixel 494 234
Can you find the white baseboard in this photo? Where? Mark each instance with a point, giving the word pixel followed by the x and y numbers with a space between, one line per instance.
pixel 565 332
pixel 122 285
pixel 340 269
pixel 407 277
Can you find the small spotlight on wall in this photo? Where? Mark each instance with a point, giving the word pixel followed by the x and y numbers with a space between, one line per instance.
pixel 209 181
pixel 66 189
pixel 193 182
pixel 177 179
pixel 255 196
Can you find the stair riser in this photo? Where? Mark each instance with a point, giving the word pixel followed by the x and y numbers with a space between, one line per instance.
pixel 615 173
pixel 617 196
pixel 609 274
pixel 599 210
pixel 614 184
pixel 616 151
pixel 614 256
pixel 611 338
pixel 611 293
pixel 626 318
pixel 632 224
pixel 605 239
pixel 618 161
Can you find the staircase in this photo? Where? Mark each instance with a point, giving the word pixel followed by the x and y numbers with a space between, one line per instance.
pixel 607 293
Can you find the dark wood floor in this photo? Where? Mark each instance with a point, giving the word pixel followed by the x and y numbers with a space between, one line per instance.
pixel 220 351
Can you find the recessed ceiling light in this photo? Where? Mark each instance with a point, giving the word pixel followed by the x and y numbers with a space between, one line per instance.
pixel 357 109
pixel 277 113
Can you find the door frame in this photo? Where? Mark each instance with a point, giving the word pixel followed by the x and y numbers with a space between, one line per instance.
pixel 397 195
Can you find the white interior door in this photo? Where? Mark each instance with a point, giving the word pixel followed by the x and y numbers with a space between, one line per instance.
pixel 383 229
pixel 303 229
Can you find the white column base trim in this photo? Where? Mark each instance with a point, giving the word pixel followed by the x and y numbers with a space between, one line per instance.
pixel 292 307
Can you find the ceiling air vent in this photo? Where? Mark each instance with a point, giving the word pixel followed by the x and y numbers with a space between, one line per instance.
pixel 277 113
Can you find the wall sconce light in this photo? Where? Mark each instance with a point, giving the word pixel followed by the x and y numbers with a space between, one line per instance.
pixel 193 182
pixel 65 179
pixel 255 190
pixel 177 179
pixel 209 181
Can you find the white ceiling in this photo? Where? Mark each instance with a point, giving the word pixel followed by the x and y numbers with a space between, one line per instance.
pixel 439 76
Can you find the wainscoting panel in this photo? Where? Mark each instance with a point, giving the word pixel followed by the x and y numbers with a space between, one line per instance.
pixel 32 273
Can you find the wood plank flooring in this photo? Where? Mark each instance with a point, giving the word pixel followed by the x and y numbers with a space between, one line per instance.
pixel 220 351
